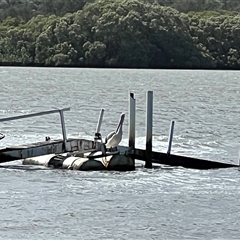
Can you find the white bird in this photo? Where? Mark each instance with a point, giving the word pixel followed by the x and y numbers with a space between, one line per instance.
pixel 115 137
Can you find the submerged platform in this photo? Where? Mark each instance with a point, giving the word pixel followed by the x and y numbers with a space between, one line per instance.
pixel 54 154
pixel 82 154
pixel 182 161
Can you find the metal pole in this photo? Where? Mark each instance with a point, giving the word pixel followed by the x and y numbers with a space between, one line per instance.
pixel 170 138
pixel 100 118
pixel 239 161
pixel 63 128
pixel 98 135
pixel 149 120
pixel 132 118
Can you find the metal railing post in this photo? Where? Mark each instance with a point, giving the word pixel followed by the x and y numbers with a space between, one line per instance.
pixel 170 137
pixel 64 133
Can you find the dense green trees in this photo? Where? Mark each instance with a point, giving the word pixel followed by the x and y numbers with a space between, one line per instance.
pixel 219 33
pixel 122 33
pixel 200 5
pixel 26 9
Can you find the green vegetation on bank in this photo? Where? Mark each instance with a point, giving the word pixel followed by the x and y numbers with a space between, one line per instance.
pixel 122 33
pixel 26 9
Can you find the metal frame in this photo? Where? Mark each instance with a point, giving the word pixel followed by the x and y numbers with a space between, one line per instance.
pixel 60 111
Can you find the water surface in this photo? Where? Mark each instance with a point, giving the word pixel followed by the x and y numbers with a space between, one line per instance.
pixel 162 203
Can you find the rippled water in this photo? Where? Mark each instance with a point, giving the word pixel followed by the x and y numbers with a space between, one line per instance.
pixel 162 203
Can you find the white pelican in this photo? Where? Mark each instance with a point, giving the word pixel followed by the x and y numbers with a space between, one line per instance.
pixel 115 137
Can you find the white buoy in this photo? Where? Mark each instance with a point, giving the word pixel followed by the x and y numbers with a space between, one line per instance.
pixel 40 160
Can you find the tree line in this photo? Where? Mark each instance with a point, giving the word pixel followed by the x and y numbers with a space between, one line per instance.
pixel 26 9
pixel 123 33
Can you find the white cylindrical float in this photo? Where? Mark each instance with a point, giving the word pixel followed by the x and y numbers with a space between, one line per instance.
pixel 120 162
pixel 40 160
pixel 96 162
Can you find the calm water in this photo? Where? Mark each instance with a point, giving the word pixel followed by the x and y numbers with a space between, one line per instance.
pixel 163 203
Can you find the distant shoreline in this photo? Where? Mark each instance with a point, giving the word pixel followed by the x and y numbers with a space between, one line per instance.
pixel 97 67
pixel 123 34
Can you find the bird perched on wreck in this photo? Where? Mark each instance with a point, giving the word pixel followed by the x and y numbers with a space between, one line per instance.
pixel 115 137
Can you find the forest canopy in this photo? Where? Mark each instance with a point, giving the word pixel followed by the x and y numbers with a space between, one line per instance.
pixel 121 33
pixel 26 9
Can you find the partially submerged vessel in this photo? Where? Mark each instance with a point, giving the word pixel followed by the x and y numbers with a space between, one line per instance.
pixel 82 154
pixel 78 154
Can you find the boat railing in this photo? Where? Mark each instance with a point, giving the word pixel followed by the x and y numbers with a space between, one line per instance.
pixel 29 115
